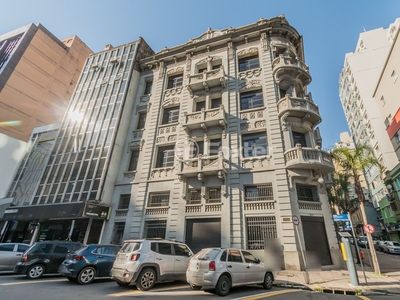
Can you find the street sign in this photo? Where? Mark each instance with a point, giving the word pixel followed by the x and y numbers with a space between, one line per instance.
pixel 368 228
pixel 343 217
pixel 296 220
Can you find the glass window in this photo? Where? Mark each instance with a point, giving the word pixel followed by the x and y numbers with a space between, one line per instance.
pixel 307 193
pixel 248 257
pixel 254 144
pixel 61 249
pixel 148 87
pixel 248 63
pixel 7 248
pixel 215 103
pixel 165 157
pixel 22 248
pixel 215 146
pixel 124 201
pixel 158 199
pixel 117 237
pixel 200 105
pixel 134 160
pixel 171 115
pixel 263 192
pixel 141 120
pixel 251 99
pixel 155 229
pixel 299 138
pixel 181 250
pixel 130 247
pixel 175 81
pixel 164 248
pixel 235 256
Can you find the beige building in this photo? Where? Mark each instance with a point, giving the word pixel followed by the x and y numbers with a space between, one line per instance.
pixel 38 74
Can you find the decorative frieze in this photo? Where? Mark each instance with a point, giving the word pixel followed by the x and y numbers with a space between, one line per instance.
pixel 171 101
pixel 250 84
pixel 250 74
pixel 162 172
pixel 256 162
pixel 173 91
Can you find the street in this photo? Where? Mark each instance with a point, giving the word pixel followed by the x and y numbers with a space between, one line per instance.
pixel 54 287
pixel 387 262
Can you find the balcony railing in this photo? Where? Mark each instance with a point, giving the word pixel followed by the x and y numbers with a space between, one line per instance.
pixel 300 108
pixel 199 208
pixel 205 118
pixel 309 158
pixel 284 66
pixel 203 165
pixel 206 80
pixel 309 205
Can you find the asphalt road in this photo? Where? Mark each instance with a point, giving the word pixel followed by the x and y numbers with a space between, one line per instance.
pixel 54 287
pixel 387 262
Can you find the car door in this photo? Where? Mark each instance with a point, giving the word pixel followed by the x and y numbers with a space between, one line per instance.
pixel 57 256
pixel 6 257
pixel 236 266
pixel 182 255
pixel 165 259
pixel 105 256
pixel 19 251
pixel 254 268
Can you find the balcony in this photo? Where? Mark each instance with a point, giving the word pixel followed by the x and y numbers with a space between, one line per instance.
pixel 302 108
pixel 204 119
pixel 309 205
pixel 206 80
pixel 309 158
pixel 200 208
pixel 202 166
pixel 284 67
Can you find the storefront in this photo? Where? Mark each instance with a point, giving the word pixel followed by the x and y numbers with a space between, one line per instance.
pixel 82 222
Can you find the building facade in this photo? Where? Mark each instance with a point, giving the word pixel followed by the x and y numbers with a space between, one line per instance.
pixel 38 74
pixel 387 97
pixel 223 149
pixel 213 142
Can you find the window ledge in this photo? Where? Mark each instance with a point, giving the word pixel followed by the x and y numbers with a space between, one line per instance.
pixel 130 173
pixel 253 109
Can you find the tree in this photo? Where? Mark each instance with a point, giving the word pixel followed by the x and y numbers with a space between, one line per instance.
pixel 354 162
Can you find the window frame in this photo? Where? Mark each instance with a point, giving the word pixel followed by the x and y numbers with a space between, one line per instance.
pixel 246 139
pixel 133 160
pixel 122 199
pixel 161 160
pixel 249 62
pixel 167 118
pixel 148 87
pixel 175 81
pixel 141 123
pixel 251 99
pixel 312 188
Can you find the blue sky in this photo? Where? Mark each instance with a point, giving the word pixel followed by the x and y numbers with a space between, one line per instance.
pixel 330 29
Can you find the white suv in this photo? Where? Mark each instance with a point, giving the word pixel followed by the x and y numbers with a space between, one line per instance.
pixel 147 261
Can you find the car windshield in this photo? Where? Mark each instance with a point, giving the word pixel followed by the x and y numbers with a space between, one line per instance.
pixel 129 247
pixel 207 254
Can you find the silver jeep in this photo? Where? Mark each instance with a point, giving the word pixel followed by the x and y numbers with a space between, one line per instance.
pixel 147 261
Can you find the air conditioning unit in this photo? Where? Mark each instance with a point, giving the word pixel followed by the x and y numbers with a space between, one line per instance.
pixel 95 66
pixel 114 60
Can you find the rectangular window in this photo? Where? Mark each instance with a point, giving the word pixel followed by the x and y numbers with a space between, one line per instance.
pixel 254 144
pixel 216 102
pixel 307 193
pixel 158 199
pixel 200 105
pixel 175 81
pixel 141 120
pixel 118 233
pixel 148 87
pixel 215 146
pixel 248 63
pixel 201 70
pixel 171 115
pixel 213 195
pixel 124 201
pixel 165 156
pixel 155 229
pixel 194 196
pixel 259 230
pixel 262 192
pixel 251 99
pixel 299 138
pixel 133 162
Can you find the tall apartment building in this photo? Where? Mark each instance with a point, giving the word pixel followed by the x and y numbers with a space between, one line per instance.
pixel 38 74
pixel 387 95
pixel 358 81
pixel 213 142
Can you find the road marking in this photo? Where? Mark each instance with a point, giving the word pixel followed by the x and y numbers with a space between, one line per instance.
pixel 268 294
pixel 364 297
pixel 30 282
pixel 152 290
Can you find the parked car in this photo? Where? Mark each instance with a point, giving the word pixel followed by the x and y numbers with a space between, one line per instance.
pixel 362 241
pixel 378 245
pixel 89 262
pixel 223 268
pixel 10 254
pixel 391 247
pixel 44 258
pixel 148 261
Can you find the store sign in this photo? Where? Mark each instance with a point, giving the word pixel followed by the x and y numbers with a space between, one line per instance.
pixel 342 217
pixel 96 211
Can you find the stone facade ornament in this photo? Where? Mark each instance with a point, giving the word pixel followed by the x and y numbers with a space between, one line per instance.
pixel 171 101
pixel 161 70
pixel 230 51
pixel 188 62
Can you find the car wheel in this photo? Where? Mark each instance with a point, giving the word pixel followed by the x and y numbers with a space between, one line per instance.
pixel 86 276
pixel 121 283
pixel 268 281
pixel 146 280
pixel 195 287
pixel 36 271
pixel 72 279
pixel 223 286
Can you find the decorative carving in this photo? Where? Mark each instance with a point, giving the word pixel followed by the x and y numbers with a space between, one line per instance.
pixel 188 62
pixel 200 176
pixel 173 91
pixel 148 106
pixel 161 139
pixel 221 175
pixel 210 33
pixel 248 51
pixel 250 73
pixel 176 70
pixel 208 59
pixel 249 84
pixel 141 144
pixel 230 51
pixel 161 69
pixel 171 101
pixel 260 124
pixel 263 40
pixel 172 138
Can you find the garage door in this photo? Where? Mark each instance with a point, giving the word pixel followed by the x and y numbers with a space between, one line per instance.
pixel 203 233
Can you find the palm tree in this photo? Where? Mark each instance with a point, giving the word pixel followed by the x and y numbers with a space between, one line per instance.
pixel 354 162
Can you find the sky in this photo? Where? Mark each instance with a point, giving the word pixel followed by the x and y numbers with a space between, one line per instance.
pixel 330 29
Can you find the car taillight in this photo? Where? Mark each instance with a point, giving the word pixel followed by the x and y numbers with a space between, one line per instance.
pixel 189 264
pixel 25 258
pixel 211 266
pixel 135 257
pixel 79 257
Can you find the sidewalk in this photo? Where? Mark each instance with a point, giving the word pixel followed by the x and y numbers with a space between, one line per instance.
pixel 338 281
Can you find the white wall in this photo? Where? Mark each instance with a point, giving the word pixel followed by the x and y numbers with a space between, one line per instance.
pixel 11 153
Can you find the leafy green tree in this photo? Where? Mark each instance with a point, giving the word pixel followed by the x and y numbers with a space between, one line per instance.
pixel 354 162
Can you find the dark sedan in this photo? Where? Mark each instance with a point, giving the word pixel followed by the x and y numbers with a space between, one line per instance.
pixel 89 262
